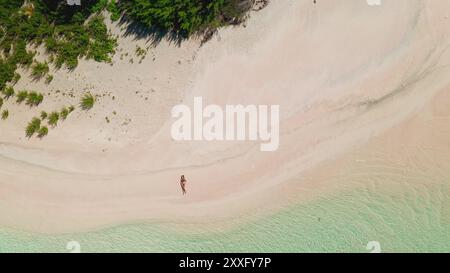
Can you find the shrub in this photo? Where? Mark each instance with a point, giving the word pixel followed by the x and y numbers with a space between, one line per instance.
pixel 21 56
pixel 7 68
pixel 64 113
pixel 39 70
pixel 49 79
pixel 186 17
pixel 34 98
pixel 8 92
pixel 87 101
pixel 5 114
pixel 43 115
pixel 42 132
pixel 101 45
pixel 16 78
pixel 114 10
pixel 21 96
pixel 33 126
pixel 99 6
pixel 53 119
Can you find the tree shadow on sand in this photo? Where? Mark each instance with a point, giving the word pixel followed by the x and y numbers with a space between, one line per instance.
pixel 154 35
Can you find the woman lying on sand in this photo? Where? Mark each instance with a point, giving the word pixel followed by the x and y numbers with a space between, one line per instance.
pixel 183 184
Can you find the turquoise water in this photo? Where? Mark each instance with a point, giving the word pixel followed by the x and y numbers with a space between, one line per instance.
pixel 347 223
pixel 400 198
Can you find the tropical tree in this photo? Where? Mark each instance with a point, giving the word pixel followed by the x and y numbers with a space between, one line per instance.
pixel 186 17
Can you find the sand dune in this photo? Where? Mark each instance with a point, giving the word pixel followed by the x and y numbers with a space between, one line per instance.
pixel 343 73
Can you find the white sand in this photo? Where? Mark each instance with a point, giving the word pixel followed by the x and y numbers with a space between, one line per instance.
pixel 342 72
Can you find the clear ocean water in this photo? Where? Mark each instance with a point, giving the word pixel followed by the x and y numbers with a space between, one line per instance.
pixel 347 223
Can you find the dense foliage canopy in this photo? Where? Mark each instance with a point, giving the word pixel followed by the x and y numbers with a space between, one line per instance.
pixel 185 17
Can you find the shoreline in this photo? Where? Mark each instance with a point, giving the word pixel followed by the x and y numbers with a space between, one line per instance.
pixel 89 173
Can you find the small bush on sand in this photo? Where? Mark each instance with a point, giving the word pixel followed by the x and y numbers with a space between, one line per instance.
pixel 8 92
pixel 21 96
pixel 39 70
pixel 42 132
pixel 34 98
pixel 49 79
pixel 15 78
pixel 53 119
pixel 64 113
pixel 5 114
pixel 33 127
pixel 43 115
pixel 87 101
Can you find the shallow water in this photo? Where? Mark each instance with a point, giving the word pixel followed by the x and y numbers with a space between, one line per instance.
pixel 344 223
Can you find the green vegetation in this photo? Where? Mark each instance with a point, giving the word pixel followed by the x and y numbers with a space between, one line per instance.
pixel 99 5
pixel 43 115
pixel 21 96
pixel 7 68
pixel 16 78
pixel 5 114
pixel 62 29
pixel 183 18
pixel 87 101
pixel 49 79
pixel 8 92
pixel 33 126
pixel 64 113
pixel 114 10
pixel 42 132
pixel 53 119
pixel 39 70
pixel 102 46
pixel 1 102
pixel 34 98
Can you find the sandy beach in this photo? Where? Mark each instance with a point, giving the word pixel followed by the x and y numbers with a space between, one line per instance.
pixel 348 77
